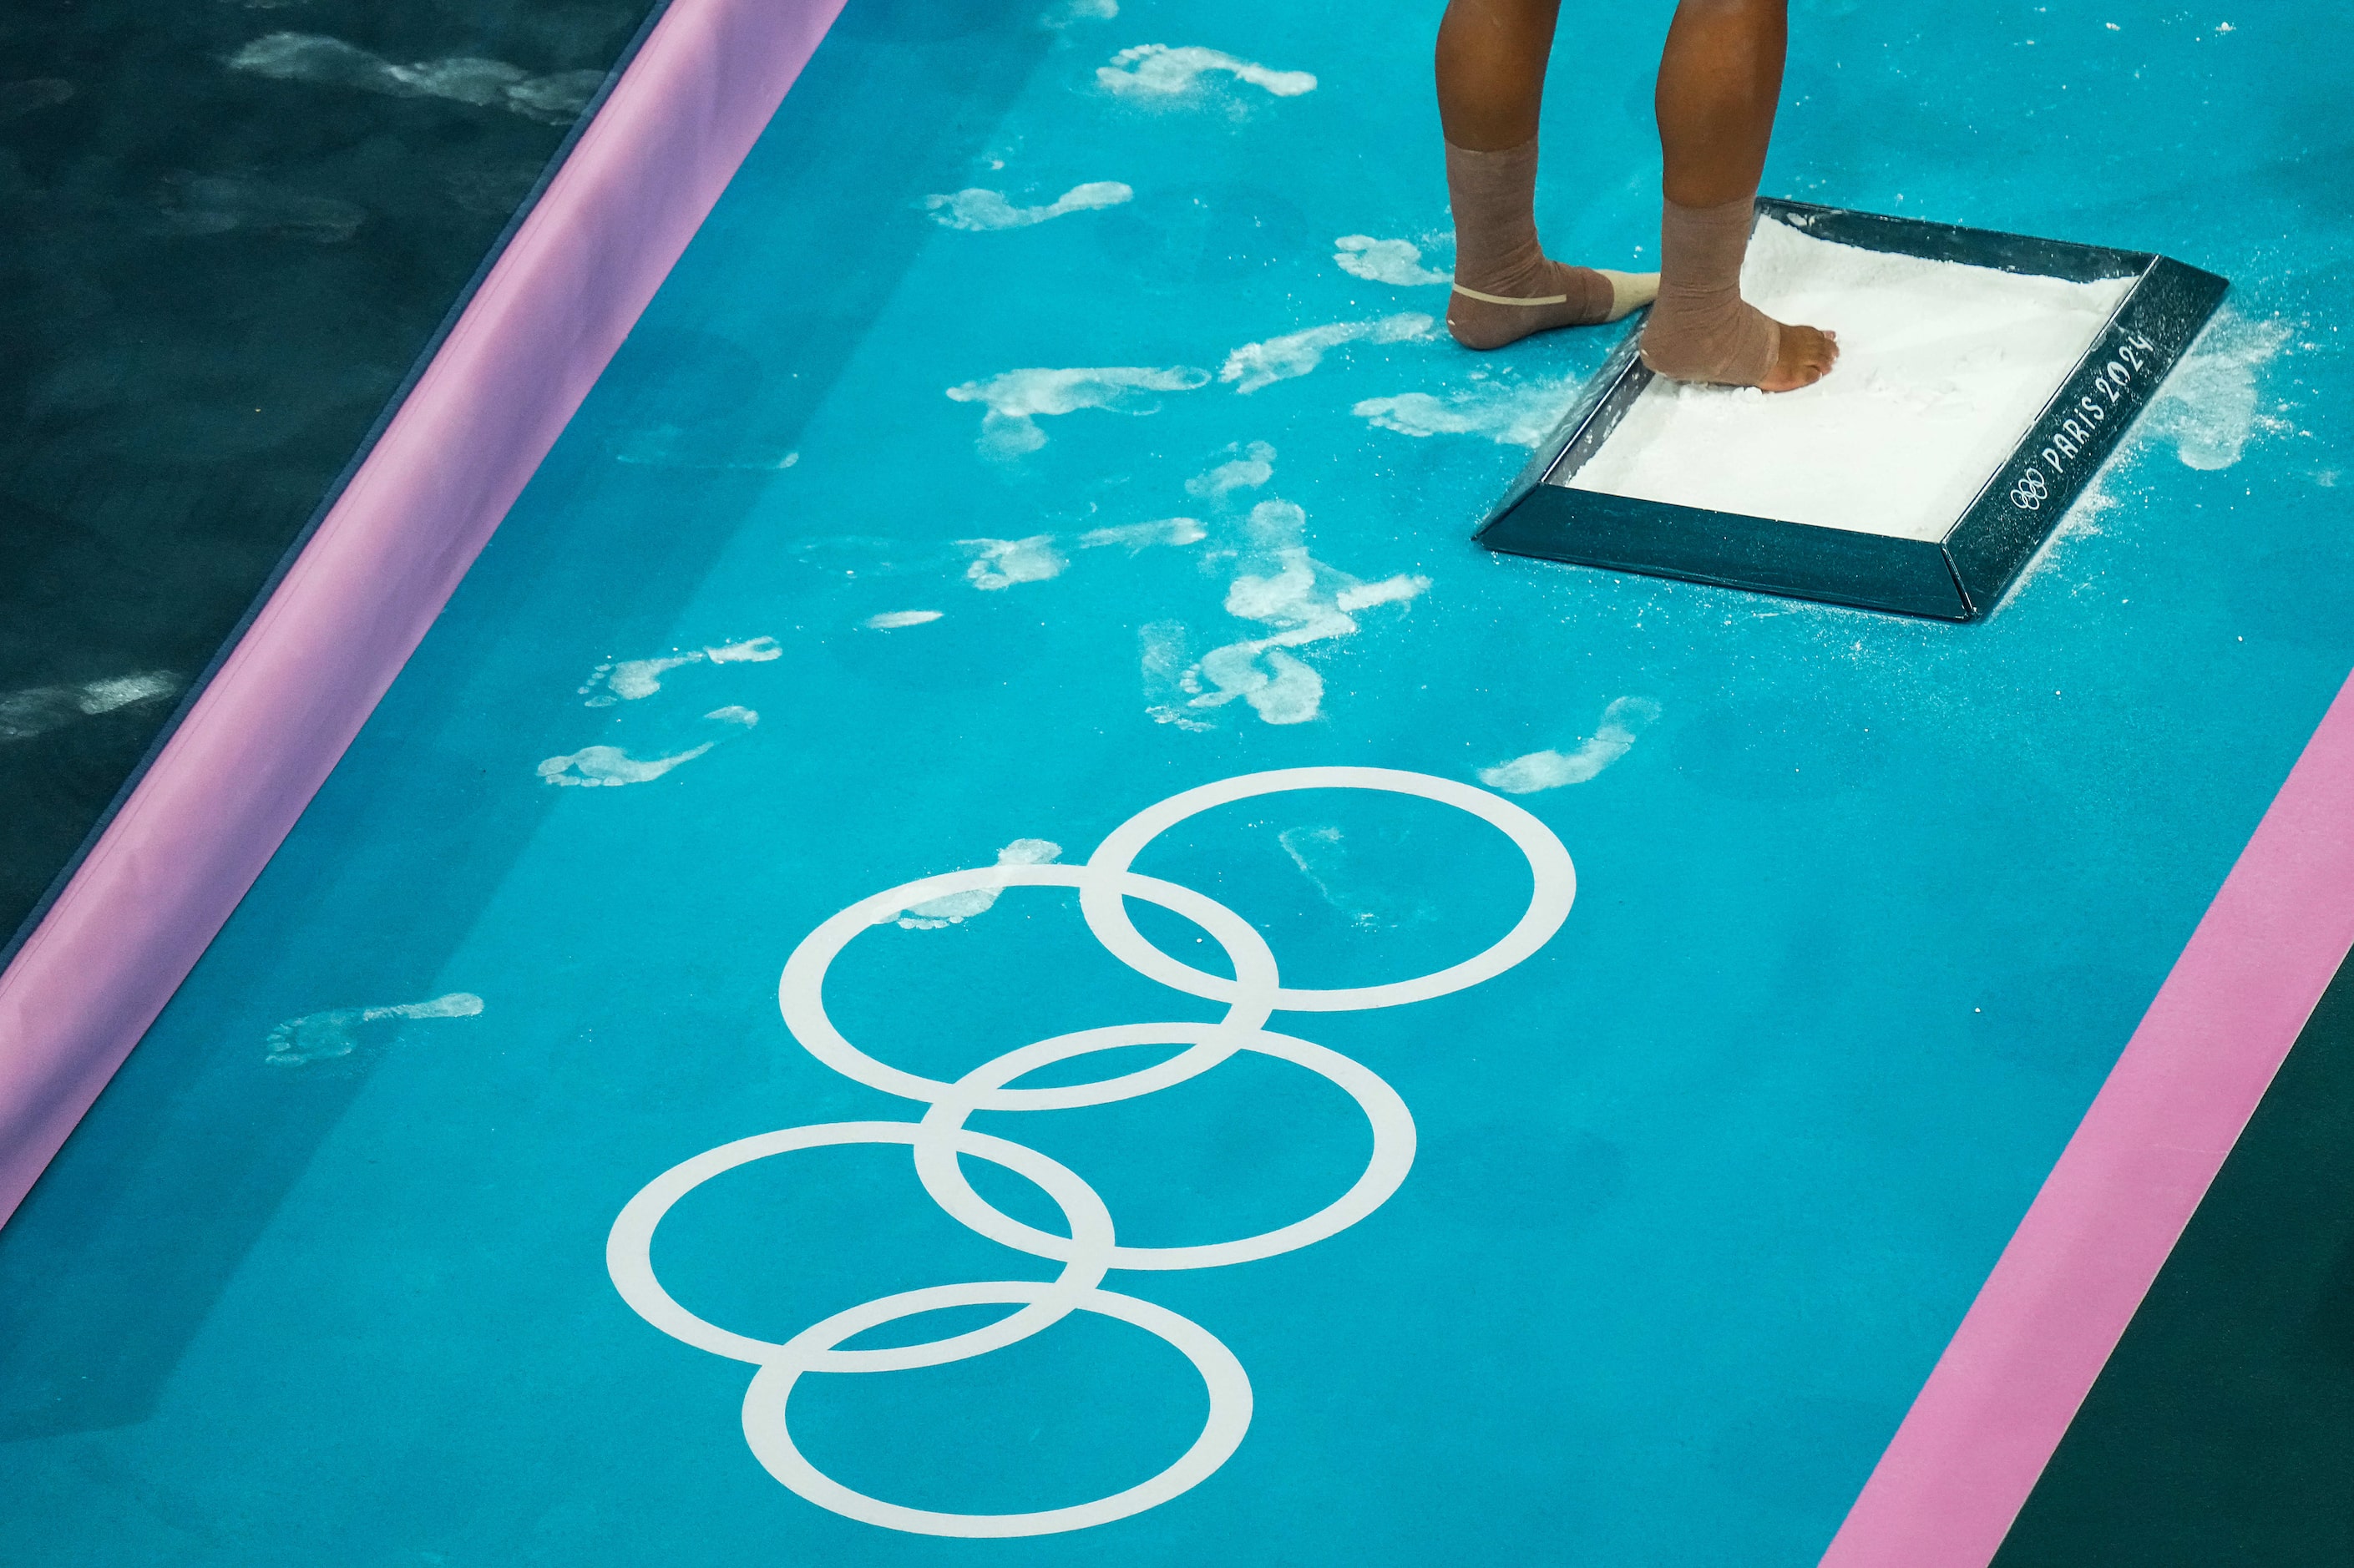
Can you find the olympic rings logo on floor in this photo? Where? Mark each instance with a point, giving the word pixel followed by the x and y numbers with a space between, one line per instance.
pixel 1090 1251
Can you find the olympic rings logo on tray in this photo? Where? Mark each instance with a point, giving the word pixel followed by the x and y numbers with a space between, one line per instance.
pixel 2030 492
pixel 1091 1249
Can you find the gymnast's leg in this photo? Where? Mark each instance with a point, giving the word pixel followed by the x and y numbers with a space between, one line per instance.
pixel 1720 79
pixel 1491 66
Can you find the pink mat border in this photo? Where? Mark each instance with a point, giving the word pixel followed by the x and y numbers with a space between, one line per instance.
pixel 1986 1423
pixel 272 723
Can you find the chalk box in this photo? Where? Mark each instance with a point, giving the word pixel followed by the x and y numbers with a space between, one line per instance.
pixel 1956 578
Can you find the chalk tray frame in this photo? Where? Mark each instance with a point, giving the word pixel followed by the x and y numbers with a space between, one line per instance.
pixel 1957 577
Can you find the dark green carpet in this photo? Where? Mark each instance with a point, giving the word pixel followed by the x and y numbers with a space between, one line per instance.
pixel 2222 1430
pixel 232 226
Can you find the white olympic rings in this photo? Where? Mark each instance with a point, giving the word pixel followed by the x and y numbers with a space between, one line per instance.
pixel 1393 1125
pixel 1222 1434
pixel 1105 883
pixel 2031 492
pixel 1549 863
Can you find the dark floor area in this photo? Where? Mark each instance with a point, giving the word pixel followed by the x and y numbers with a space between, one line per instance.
pixel 2222 1430
pixel 233 226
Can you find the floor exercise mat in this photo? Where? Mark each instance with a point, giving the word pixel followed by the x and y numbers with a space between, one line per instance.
pixel 983 920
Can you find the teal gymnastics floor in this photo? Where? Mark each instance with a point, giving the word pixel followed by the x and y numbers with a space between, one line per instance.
pixel 1049 430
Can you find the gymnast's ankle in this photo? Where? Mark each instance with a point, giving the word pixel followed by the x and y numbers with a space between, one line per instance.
pixel 1505 289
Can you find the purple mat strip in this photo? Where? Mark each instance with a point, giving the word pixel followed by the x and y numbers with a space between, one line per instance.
pixel 1986 1423
pixel 265 733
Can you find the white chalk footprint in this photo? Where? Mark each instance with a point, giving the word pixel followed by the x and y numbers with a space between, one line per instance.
pixel 1172 681
pixel 319 1036
pixel 1255 366
pixel 1138 537
pixel 632 680
pixel 36 709
pixel 1252 467
pixel 611 767
pixel 1016 400
pixel 1158 71
pixel 1396 262
pixel 1622 721
pixel 1001 562
pixel 1508 412
pixel 980 210
pixel 1075 11
pixel 1331 866
pixel 1302 599
pixel 958 907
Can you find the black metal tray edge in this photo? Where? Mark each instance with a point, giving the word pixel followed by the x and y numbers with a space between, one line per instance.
pixel 1590 397
pixel 1731 549
pixel 1994 247
pixel 2023 502
pixel 1995 535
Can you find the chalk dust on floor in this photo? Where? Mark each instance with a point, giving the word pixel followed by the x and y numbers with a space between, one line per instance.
pixel 1942 369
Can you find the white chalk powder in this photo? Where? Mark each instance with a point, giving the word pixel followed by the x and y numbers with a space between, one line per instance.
pixel 1941 368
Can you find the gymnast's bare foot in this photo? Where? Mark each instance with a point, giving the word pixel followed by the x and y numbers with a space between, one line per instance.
pixel 1804 357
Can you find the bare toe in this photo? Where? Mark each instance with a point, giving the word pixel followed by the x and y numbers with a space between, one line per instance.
pixel 1807 355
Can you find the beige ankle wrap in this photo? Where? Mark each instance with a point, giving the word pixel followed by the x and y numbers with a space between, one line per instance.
pixel 1504 287
pixel 1701 329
